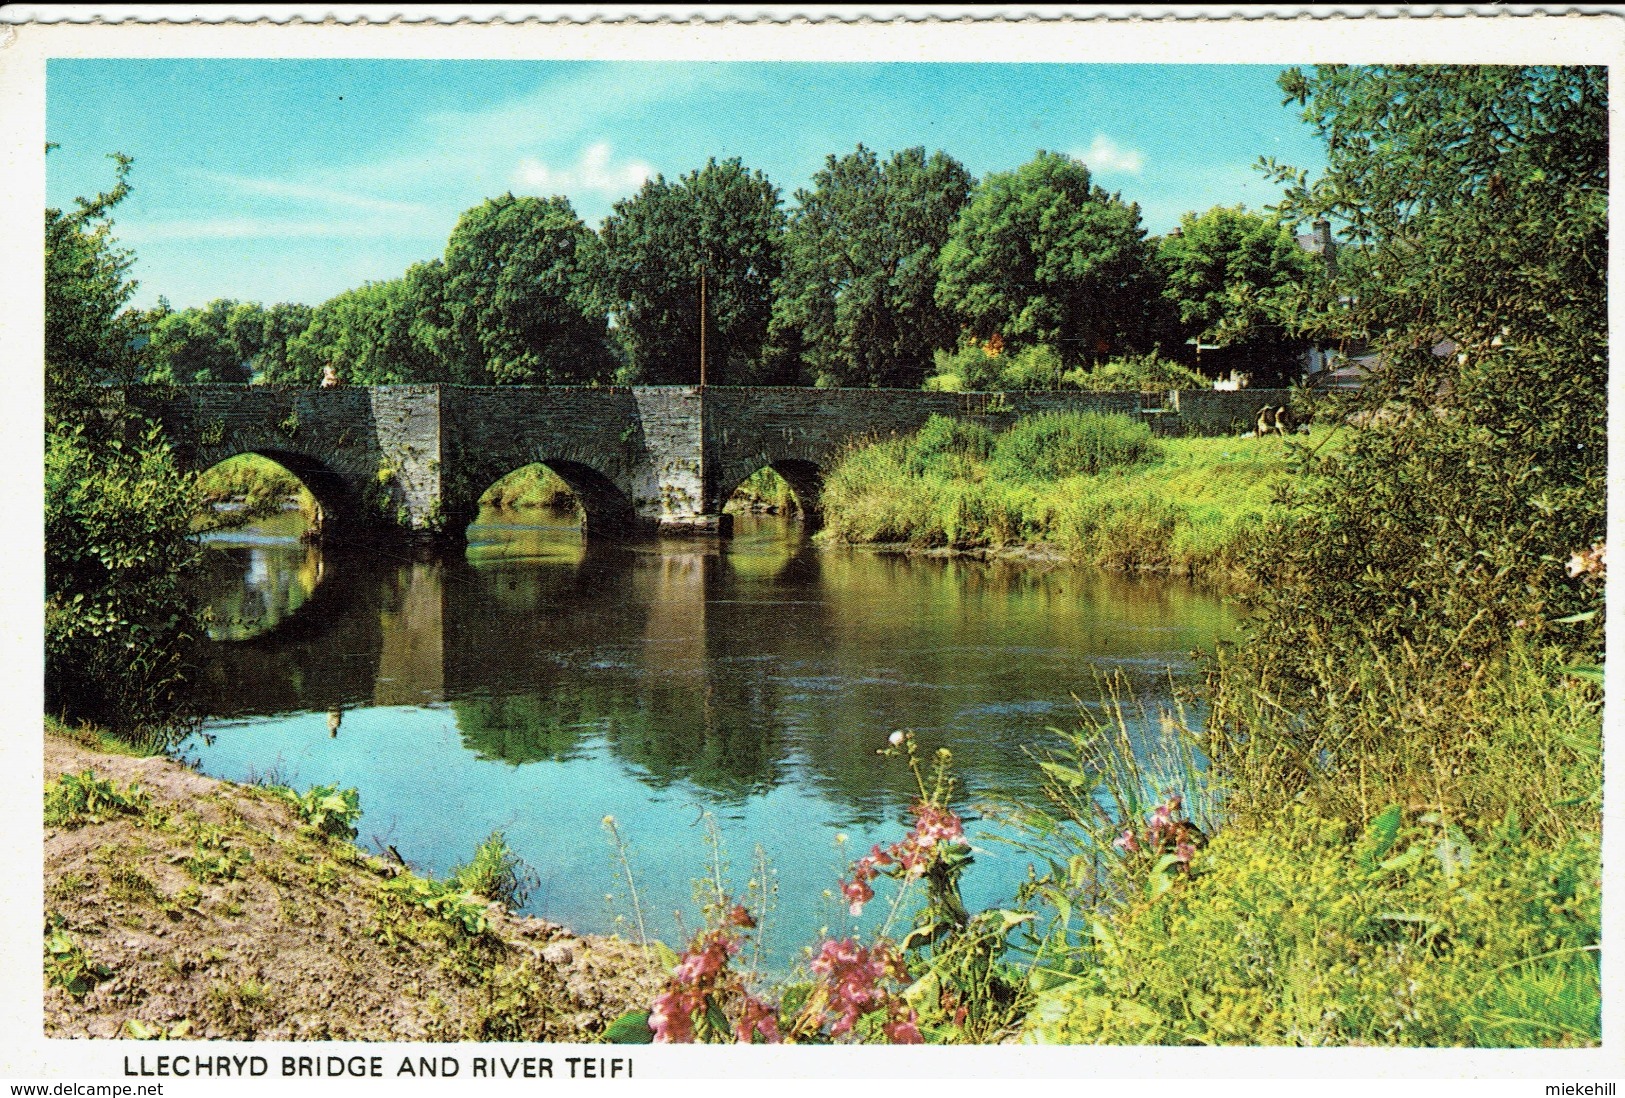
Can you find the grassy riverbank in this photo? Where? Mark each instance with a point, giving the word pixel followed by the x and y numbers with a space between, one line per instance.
pixel 178 905
pixel 1443 892
pixel 1189 506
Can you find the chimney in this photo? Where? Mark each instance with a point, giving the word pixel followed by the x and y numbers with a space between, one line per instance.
pixel 1325 245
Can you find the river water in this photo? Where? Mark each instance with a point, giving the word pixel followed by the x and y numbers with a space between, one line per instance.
pixel 537 684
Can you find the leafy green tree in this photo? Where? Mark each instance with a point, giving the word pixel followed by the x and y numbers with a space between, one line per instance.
pixel 517 290
pixel 195 346
pixel 1043 255
pixel 366 335
pixel 1435 537
pixel 90 337
pixel 279 325
pixel 722 223
pixel 117 510
pixel 860 274
pixel 1234 278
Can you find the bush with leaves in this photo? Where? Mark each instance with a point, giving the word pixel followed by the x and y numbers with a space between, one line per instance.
pixel 118 619
pixel 1475 199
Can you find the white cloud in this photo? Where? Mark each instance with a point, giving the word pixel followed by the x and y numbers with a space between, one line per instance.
pixel 256 228
pixel 324 195
pixel 1106 155
pixel 593 172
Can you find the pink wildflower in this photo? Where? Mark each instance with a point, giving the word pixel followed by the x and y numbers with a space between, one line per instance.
pixel 756 1018
pixel 903 1028
pixel 1126 842
pixel 672 1017
pixel 851 974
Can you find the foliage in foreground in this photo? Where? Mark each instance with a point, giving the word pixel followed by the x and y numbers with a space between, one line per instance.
pixel 940 981
pixel 1098 488
pixel 1466 913
pixel 1408 734
pixel 1318 931
pixel 118 619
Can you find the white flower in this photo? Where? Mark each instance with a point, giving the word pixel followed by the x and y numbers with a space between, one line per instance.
pixel 895 739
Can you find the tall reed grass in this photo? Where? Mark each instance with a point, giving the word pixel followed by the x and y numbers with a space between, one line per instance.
pixel 1097 488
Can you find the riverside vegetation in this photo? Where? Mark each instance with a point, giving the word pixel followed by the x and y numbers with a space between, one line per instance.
pixel 1385 830
pixel 1097 488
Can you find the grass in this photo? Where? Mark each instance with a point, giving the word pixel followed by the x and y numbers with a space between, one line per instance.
pixel 1437 881
pixel 531 486
pixel 1190 506
pixel 258 484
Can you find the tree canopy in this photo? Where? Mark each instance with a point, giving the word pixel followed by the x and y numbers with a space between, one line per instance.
pixel 722 223
pixel 117 510
pixel 860 276
pixel 1234 278
pixel 1477 198
pixel 516 290
pixel 1043 255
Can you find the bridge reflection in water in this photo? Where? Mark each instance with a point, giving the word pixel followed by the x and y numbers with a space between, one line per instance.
pixel 539 682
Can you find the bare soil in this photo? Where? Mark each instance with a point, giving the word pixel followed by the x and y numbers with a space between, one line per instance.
pixel 211 912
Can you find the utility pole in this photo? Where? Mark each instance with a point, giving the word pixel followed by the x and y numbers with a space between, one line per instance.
pixel 702 325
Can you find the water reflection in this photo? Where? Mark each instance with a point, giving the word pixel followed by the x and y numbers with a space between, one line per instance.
pixel 539 682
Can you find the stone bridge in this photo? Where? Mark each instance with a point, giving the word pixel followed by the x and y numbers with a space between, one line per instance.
pixel 417 458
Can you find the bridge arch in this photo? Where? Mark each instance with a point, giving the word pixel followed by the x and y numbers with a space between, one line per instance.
pixel 604 506
pixel 805 478
pixel 338 500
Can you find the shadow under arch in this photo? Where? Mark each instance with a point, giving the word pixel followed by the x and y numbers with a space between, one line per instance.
pixel 806 481
pixel 603 507
pixel 336 502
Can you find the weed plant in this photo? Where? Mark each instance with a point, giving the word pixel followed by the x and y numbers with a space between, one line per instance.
pixel 496 873
pixel 77 799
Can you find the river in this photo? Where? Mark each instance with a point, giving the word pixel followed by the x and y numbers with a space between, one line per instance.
pixel 537 684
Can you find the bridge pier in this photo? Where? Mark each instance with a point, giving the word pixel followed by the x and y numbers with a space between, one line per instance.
pixel 718 524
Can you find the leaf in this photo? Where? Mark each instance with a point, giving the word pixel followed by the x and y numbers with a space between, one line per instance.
pixel 1066 775
pixel 1384 829
pixel 631 1028
pixel 1403 861
pixel 1586 672
pixel 717 1020
pixel 664 955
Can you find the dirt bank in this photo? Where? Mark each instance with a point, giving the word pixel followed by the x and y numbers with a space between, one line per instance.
pixel 209 911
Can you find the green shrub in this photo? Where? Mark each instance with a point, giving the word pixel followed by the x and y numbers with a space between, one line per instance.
pixel 69 967
pixel 325 809
pixel 76 799
pixel 455 906
pixel 1304 930
pixel 1062 444
pixel 1147 373
pixel 119 620
pixel 496 873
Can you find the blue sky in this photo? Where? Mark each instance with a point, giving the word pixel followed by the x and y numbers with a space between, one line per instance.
pixel 293 180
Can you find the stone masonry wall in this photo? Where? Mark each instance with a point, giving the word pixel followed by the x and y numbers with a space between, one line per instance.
pixel 658 457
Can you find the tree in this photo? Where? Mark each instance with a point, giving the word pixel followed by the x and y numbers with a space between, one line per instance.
pixel 117 510
pixel 721 224
pixel 196 346
pixel 860 273
pixel 1432 540
pixel 278 327
pixel 518 293
pixel 90 337
pixel 1232 276
pixel 366 335
pixel 1042 255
